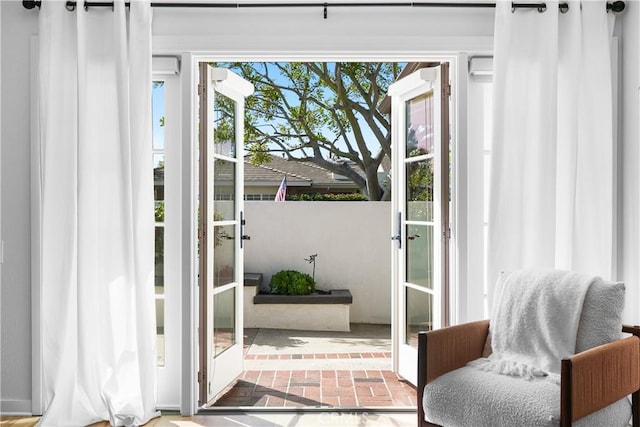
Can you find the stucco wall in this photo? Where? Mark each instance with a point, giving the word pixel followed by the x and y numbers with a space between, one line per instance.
pixel 352 240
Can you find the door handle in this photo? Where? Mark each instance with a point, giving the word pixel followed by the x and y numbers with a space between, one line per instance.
pixel 398 236
pixel 243 236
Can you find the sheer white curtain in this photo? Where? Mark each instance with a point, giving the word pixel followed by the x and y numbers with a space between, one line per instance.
pixel 96 186
pixel 552 165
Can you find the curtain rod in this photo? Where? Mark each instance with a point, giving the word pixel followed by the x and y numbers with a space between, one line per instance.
pixel 615 6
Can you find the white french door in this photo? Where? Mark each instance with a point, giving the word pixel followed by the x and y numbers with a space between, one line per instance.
pixel 420 204
pixel 221 225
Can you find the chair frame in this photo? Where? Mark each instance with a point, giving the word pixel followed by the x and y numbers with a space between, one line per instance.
pixel 444 350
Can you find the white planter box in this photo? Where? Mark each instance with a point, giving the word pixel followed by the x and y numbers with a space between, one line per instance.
pixel 320 315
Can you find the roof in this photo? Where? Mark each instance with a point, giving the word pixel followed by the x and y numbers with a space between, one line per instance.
pixel 301 174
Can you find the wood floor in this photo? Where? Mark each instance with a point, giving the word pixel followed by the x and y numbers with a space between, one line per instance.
pixel 344 419
pixel 157 422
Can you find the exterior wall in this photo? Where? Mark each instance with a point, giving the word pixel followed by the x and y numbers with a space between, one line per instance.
pixel 350 238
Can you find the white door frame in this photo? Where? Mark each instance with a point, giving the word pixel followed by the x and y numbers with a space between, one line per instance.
pixel 415 85
pixel 169 374
pixel 189 382
pixel 229 363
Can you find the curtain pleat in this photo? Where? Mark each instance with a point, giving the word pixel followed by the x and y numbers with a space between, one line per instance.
pixel 98 308
pixel 552 167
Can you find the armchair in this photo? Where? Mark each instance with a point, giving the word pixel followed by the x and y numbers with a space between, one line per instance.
pixel 593 383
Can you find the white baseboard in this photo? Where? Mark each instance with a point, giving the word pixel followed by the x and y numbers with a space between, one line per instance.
pixel 15 407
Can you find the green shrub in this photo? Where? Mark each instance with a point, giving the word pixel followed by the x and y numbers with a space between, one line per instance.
pixel 327 197
pixel 291 282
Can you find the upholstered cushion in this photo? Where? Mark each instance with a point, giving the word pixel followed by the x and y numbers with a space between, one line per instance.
pixel 601 318
pixel 471 397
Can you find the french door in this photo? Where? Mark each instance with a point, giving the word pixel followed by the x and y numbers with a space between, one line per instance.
pixel 420 204
pixel 220 227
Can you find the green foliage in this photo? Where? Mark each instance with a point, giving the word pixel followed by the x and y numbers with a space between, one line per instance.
pixel 327 197
pixel 159 211
pixel 291 282
pixel 320 112
pixel 420 181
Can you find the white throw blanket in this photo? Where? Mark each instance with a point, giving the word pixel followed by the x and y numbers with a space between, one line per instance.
pixel 535 322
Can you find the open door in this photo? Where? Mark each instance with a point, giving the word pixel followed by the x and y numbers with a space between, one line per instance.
pixel 420 203
pixel 221 225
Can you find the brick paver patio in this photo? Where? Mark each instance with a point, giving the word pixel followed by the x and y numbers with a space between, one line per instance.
pixel 314 388
pixel 292 388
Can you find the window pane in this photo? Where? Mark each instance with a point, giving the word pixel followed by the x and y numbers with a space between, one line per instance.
pixel 159 260
pixel 224 190
pixel 419 131
pixel 419 181
pixel 224 314
pixel 224 255
pixel 160 331
pixel 419 255
pixel 157 114
pixel 224 134
pixel 158 176
pixel 419 316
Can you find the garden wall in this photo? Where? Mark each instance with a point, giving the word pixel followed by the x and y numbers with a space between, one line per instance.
pixel 352 240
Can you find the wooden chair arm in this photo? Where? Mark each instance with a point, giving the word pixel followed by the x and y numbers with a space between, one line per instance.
pixel 598 377
pixel 631 329
pixel 445 350
pixel 451 348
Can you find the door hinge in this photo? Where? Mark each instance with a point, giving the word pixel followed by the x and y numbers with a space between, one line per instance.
pixel 446 233
pixel 200 376
pixel 200 89
pixel 447 89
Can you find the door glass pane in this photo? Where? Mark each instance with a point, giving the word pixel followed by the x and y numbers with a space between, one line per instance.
pixel 158 176
pixel 157 114
pixel 419 316
pixel 224 255
pixel 419 122
pixel 419 255
pixel 224 122
pixel 419 180
pixel 224 190
pixel 159 260
pixel 224 313
pixel 160 329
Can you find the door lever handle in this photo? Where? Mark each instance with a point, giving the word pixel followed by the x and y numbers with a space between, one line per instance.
pixel 398 236
pixel 243 236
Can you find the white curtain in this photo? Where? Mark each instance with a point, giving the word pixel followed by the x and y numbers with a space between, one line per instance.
pixel 96 187
pixel 551 197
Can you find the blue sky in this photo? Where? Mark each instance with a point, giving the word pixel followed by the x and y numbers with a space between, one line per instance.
pixel 157 112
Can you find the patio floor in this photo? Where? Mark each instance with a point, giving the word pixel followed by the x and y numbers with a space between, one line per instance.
pixel 293 369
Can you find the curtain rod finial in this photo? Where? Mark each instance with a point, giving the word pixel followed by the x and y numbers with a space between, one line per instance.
pixel 616 6
pixel 31 4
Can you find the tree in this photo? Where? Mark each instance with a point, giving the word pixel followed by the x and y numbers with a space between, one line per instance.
pixel 325 113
